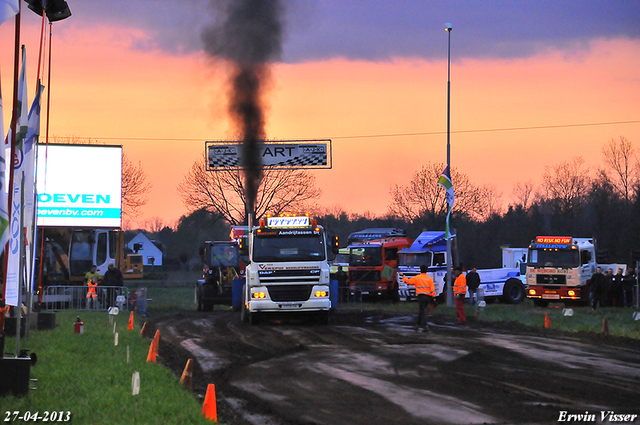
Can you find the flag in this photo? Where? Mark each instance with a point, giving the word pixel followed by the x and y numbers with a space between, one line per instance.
pixel 445 181
pixel 15 238
pixel 8 9
pixel 4 207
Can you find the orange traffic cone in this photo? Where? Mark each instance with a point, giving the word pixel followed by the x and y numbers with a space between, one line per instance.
pixel 153 349
pixel 187 374
pixel 130 327
pixel 209 409
pixel 547 322
pixel 605 326
pixel 143 331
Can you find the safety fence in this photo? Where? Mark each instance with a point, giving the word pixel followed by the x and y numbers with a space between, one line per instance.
pixel 75 298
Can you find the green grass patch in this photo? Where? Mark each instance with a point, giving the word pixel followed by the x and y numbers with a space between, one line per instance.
pixel 584 319
pixel 87 375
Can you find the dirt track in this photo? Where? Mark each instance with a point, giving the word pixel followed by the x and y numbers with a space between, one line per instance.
pixel 379 370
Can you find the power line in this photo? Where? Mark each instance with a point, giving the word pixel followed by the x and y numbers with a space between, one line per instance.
pixel 371 136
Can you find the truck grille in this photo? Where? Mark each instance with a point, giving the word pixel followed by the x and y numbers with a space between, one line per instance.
pixel 290 292
pixel 551 279
pixel 361 276
pixel 290 276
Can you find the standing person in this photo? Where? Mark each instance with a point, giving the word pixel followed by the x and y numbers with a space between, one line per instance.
pixel 112 277
pixel 628 281
pixel 343 285
pixel 616 289
pixel 608 283
pixel 426 292
pixel 597 286
pixel 459 291
pixel 91 278
pixel 473 283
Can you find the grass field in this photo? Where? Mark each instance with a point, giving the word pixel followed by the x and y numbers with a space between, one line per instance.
pixel 91 378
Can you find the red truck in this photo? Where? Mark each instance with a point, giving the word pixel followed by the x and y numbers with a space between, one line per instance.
pixel 373 261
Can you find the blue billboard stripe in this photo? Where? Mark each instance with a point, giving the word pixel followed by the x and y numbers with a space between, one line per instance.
pixel 79 213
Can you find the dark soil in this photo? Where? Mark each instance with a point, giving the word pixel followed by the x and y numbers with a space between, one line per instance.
pixel 374 368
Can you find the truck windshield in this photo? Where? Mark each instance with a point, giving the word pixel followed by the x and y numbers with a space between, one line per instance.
pixel 415 260
pixel 341 259
pixel 224 256
pixel 366 256
pixel 277 247
pixel 564 258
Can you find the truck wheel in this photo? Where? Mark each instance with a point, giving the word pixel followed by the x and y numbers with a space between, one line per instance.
pixel 394 294
pixel 513 291
pixel 540 303
pixel 198 301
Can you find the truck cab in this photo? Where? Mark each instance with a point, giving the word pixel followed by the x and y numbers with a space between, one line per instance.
pixel 288 269
pixel 559 268
pixel 221 265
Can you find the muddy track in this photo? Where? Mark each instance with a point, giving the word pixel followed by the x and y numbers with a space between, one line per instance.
pixel 365 368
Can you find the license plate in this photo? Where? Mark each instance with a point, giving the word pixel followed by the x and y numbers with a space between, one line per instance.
pixel 289 305
pixel 551 296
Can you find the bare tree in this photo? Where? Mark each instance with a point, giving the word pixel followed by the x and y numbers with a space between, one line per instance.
pixel 491 198
pixel 134 188
pixel 522 194
pixel 567 184
pixel 623 167
pixel 155 224
pixel 424 197
pixel 223 191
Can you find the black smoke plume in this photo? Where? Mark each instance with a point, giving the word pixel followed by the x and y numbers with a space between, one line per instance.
pixel 248 33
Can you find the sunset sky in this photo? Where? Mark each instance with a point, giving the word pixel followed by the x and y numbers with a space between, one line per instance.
pixel 533 83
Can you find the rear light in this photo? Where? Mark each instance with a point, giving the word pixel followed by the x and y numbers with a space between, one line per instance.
pixel 532 291
pixel 571 293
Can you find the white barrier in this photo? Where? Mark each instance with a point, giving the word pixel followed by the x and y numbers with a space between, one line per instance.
pixel 75 298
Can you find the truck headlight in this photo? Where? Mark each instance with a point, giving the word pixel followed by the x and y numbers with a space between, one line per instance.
pixel 258 295
pixel 321 294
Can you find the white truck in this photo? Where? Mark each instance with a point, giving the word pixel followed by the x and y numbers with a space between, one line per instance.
pixel 288 269
pixel 560 269
pixel 430 248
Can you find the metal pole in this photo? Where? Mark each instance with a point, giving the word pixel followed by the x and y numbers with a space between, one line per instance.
pixel 448 29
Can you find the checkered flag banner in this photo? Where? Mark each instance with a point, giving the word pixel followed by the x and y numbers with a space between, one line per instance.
pixel 285 154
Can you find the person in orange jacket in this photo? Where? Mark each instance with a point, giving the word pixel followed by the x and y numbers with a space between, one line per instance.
pixel 426 292
pixel 459 291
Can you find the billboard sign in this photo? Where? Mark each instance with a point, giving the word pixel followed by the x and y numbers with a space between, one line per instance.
pixel 279 155
pixel 79 185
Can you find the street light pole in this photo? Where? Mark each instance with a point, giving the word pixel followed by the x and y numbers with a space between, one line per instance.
pixel 448 28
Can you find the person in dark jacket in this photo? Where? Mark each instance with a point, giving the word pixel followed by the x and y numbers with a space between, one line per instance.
pixel 597 287
pixel 112 277
pixel 473 283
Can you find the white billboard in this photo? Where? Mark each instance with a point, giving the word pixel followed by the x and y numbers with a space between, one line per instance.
pixel 79 185
pixel 280 154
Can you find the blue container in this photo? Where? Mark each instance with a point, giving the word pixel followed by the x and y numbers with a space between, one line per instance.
pixel 333 293
pixel 236 293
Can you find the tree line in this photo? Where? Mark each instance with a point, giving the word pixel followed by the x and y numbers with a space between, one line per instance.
pixel 572 199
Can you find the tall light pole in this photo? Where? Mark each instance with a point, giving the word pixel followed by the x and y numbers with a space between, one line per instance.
pixel 448 28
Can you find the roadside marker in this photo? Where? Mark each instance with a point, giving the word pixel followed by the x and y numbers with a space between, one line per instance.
pixel 187 375
pixel 605 326
pixel 130 327
pixel 153 349
pixel 547 322
pixel 209 409
pixel 143 331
